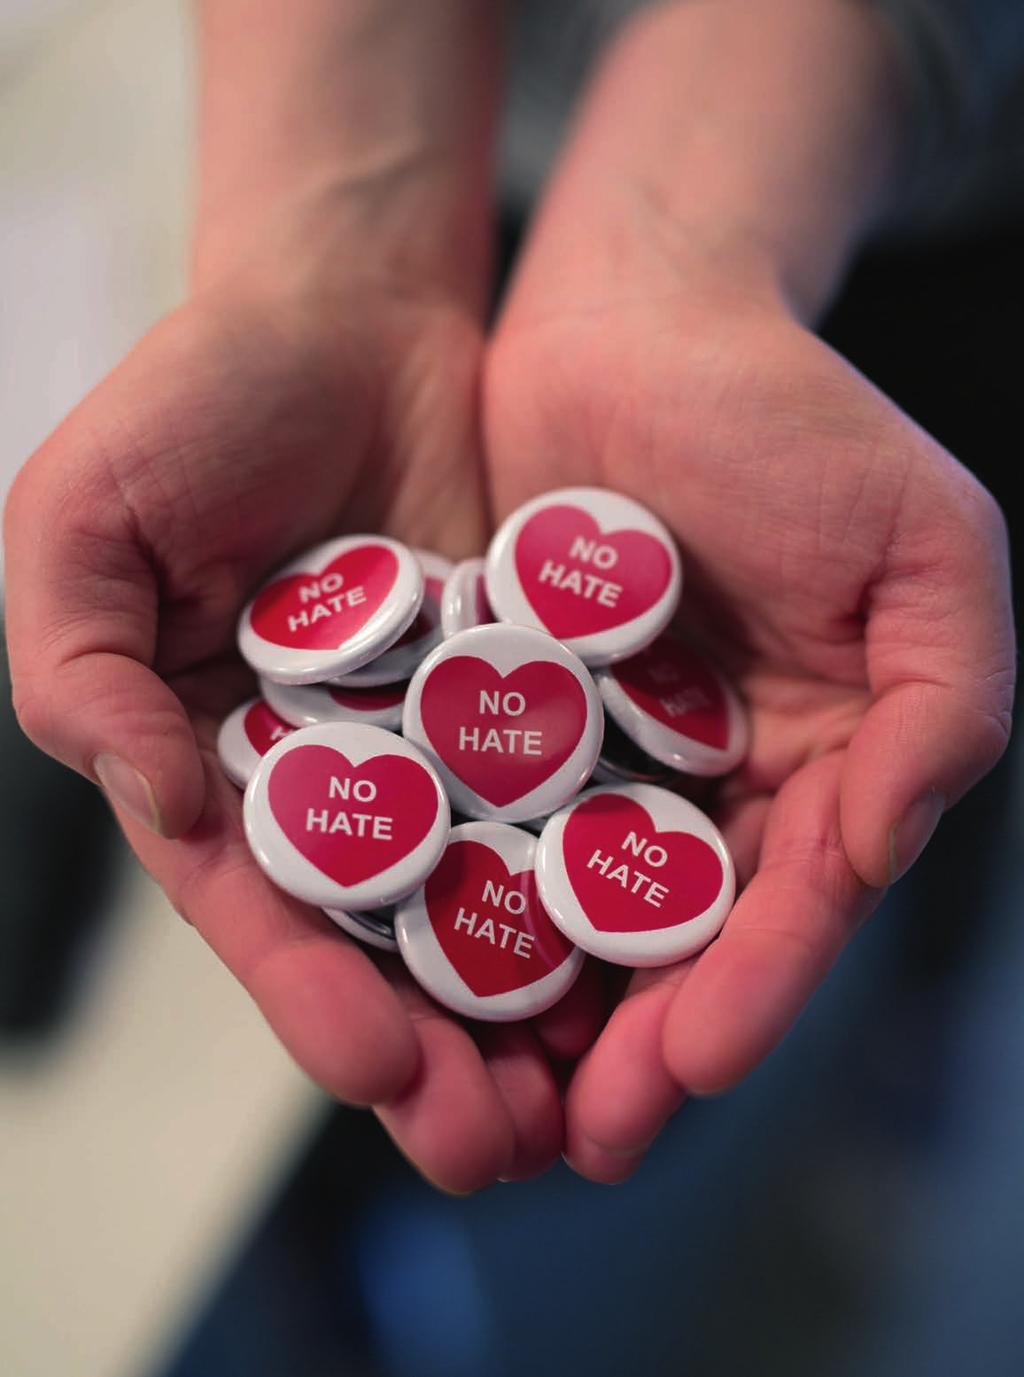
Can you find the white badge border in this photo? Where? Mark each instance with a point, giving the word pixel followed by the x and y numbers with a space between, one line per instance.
pixel 676 749
pixel 290 665
pixel 612 512
pixel 289 869
pixel 429 965
pixel 363 927
pixel 652 947
pixel 459 609
pixel 506 648
pixel 309 705
pixel 237 755
pixel 398 663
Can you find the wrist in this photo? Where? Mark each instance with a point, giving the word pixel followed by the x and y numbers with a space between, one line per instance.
pixel 762 137
pixel 393 222
pixel 359 130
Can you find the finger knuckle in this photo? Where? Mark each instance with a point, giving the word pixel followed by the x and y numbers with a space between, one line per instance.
pixel 34 712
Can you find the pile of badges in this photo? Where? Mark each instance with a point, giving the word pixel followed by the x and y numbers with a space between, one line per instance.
pixel 398 691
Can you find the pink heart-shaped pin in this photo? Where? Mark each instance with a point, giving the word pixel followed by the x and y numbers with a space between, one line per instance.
pixel 351 821
pixel 322 610
pixel 489 923
pixel 503 735
pixel 263 728
pixel 628 876
pixel 581 580
pixel 670 683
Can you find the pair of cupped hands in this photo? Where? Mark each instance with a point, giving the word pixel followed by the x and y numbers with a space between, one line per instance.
pixel 848 573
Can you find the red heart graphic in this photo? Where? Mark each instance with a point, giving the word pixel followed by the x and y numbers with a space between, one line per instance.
pixel 264 728
pixel 580 579
pixel 488 750
pixel 613 828
pixel 368 699
pixel 321 611
pixel 490 924
pixel 390 807
pixel 668 681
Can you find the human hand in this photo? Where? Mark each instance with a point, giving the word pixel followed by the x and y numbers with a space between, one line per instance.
pixel 845 570
pixel 271 411
pixel 322 379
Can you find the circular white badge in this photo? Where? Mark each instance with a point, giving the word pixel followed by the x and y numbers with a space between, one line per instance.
pixel 398 662
pixel 635 874
pixel 476 935
pixel 676 708
pixel 374 929
pixel 591 567
pixel 464 599
pixel 306 705
pixel 245 736
pixel 346 816
pixel 511 719
pixel 622 761
pixel 331 610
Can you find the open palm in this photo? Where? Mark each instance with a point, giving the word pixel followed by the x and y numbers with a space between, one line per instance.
pixel 247 426
pixel 850 576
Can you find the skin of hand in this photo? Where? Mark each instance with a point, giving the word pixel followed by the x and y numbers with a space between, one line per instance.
pixel 316 383
pixel 847 572
pixel 322 378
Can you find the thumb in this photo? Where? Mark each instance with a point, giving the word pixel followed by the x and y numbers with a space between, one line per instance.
pixel 81 628
pixel 940 648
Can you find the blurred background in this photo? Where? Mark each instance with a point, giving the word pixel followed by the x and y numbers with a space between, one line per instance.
pixel 177 1201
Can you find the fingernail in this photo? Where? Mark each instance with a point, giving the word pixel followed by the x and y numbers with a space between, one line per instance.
pixel 624 1154
pixel 127 789
pixel 910 837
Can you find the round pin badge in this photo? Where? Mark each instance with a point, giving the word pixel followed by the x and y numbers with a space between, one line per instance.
pixel 622 761
pixel 346 816
pixel 332 610
pixel 373 929
pixel 397 663
pixel 245 736
pixel 635 875
pixel 592 568
pixel 510 718
pixel 676 708
pixel 476 935
pixel 464 598
pixel 307 705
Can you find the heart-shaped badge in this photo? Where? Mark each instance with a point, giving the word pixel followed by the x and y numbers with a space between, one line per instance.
pixel 671 684
pixel 581 580
pixel 630 877
pixel 322 609
pixel 263 727
pixel 503 735
pixel 490 923
pixel 476 935
pixel 352 822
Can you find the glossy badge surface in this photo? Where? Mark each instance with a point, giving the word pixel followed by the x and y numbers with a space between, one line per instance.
pixel 635 875
pixel 307 705
pixel 331 610
pixel 592 568
pixel 464 598
pixel 397 663
pixel 346 816
pixel 373 929
pixel 676 708
pixel 476 936
pixel 246 735
pixel 510 718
